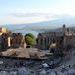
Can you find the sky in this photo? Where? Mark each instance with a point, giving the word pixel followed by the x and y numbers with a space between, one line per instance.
pixel 31 11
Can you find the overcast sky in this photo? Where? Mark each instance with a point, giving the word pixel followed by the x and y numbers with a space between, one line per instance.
pixel 30 11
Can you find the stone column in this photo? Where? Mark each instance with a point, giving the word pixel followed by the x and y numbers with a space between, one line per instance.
pixel 39 42
pixel 64 41
pixel 47 41
pixel 43 43
pixel 9 41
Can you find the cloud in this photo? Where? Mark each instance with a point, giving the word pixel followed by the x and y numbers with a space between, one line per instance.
pixel 25 18
pixel 27 15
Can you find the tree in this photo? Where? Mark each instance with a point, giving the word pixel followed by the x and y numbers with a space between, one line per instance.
pixel 30 39
pixel 30 35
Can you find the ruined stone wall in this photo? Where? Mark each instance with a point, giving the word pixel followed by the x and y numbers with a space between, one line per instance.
pixel 45 39
pixel 70 40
